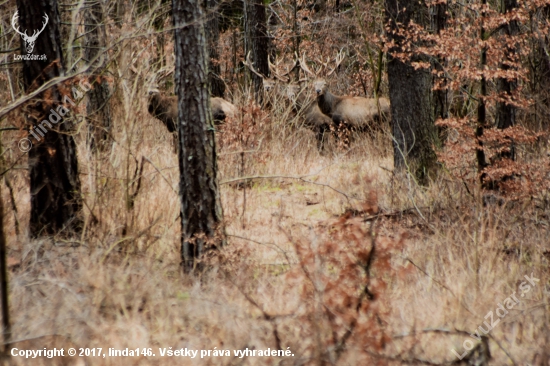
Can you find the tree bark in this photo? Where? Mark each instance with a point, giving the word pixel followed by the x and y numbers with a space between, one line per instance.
pixel 506 113
pixel 201 212
pixel 257 43
pixel 439 22
pixel 98 108
pixel 6 325
pixel 55 186
pixel 216 84
pixel 482 109
pixel 410 91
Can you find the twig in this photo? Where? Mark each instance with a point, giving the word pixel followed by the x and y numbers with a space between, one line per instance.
pixel 366 293
pixel 502 348
pixel 301 178
pixel 259 242
pixel 268 317
pixel 162 175
pixel 440 284
pixel 389 214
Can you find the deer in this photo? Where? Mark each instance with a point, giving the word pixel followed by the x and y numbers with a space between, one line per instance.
pixel 352 113
pixel 309 110
pixel 29 40
pixel 165 109
pixel 270 84
pixel 313 118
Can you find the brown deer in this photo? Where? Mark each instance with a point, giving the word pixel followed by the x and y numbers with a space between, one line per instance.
pixel 313 118
pixel 271 88
pixel 165 109
pixel 355 113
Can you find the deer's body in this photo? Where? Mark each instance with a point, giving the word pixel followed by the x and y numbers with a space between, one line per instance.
pixel 352 112
pixel 222 109
pixel 313 118
pixel 165 109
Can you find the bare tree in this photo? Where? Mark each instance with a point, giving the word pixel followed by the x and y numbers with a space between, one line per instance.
pixel 55 185
pixel 217 86
pixel 257 42
pixel 6 325
pixel 506 112
pixel 98 108
pixel 412 121
pixel 201 212
pixel 439 22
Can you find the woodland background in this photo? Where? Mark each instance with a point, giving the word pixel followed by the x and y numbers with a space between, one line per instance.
pixel 357 255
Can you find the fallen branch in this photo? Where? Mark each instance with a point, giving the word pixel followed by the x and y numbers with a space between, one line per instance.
pixel 300 178
pixel 259 242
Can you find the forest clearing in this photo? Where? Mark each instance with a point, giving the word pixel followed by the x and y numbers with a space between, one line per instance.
pixel 246 182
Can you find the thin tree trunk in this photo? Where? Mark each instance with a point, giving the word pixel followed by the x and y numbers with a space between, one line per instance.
pixel 201 212
pixel 6 325
pixel 217 86
pixel 55 186
pixel 439 22
pixel 257 42
pixel 481 109
pixel 506 113
pixel 297 36
pixel 413 127
pixel 98 108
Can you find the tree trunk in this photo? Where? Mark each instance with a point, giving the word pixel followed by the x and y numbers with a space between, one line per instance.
pixel 506 113
pixel 410 90
pixel 98 108
pixel 217 86
pixel 4 291
pixel 55 186
pixel 439 22
pixel 257 43
pixel 201 212
pixel 482 109
pixel 297 37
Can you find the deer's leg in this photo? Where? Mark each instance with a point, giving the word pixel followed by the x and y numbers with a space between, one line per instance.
pixel 320 134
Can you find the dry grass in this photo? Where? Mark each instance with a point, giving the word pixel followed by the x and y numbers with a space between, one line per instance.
pixel 120 284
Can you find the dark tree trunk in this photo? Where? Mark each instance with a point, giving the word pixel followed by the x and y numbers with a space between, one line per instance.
pixel 544 80
pixel 55 186
pixel 482 109
pixel 297 36
pixel 217 86
pixel 506 113
pixel 439 22
pixel 257 43
pixel 201 212
pixel 6 325
pixel 540 69
pixel 98 108
pixel 413 127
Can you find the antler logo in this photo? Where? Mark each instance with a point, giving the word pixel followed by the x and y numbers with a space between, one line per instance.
pixel 29 41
